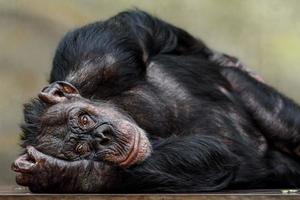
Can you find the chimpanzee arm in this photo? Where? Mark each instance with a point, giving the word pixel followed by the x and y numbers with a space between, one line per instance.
pixel 178 164
pixel 158 37
pixel 225 60
pixel 43 173
pixel 183 164
pixel 277 116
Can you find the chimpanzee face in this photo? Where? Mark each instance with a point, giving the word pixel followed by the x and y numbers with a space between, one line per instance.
pixel 74 128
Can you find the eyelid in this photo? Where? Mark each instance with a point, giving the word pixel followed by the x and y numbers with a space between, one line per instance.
pixel 88 115
pixel 92 124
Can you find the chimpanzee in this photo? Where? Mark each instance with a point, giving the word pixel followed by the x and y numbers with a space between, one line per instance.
pixel 137 105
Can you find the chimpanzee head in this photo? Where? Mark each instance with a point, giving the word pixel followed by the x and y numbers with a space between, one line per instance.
pixel 71 127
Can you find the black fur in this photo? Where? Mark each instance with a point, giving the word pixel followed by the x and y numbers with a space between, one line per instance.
pixel 205 133
pixel 33 112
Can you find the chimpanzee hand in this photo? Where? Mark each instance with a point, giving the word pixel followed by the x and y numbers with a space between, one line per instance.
pixel 43 173
pixel 230 61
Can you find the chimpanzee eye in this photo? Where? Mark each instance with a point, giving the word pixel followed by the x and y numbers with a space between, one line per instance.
pixel 85 120
pixel 82 148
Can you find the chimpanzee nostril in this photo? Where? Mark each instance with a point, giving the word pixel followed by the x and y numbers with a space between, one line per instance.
pixel 104 141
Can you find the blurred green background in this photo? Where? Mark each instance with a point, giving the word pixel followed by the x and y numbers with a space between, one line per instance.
pixel 264 34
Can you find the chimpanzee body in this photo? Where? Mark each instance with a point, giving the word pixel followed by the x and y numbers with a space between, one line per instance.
pixel 211 125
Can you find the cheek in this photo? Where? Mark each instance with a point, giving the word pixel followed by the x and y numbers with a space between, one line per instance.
pixel 126 133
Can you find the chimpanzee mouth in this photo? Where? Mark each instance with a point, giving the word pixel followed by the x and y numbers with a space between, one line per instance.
pixel 130 146
pixel 134 151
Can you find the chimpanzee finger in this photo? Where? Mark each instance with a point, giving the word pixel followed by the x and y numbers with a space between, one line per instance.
pixel 36 155
pixel 23 164
pixel 24 179
pixel 45 162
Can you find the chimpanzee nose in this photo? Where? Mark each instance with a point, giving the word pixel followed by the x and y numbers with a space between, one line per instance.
pixel 104 134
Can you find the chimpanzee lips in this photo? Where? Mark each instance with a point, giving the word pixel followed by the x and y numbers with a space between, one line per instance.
pixel 133 153
pixel 139 151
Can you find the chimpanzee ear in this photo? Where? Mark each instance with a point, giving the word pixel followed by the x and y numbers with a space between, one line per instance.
pixel 68 88
pixel 158 37
pixel 57 92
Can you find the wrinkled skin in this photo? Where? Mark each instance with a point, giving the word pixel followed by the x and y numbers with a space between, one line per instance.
pixel 40 172
pixel 81 129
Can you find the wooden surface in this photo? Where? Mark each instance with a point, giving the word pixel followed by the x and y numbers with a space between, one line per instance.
pixel 15 192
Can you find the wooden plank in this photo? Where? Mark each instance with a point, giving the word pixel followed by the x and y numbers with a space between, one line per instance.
pixel 16 192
